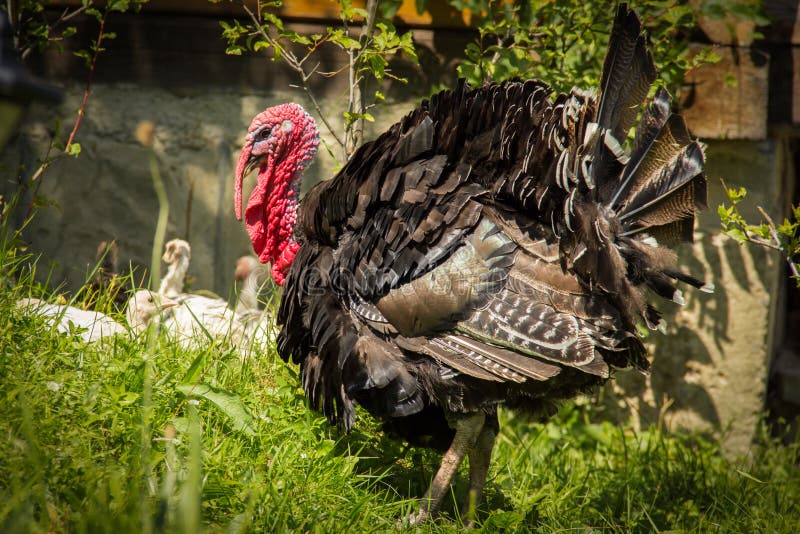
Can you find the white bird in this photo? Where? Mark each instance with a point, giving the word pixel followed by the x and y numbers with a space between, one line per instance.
pixel 194 318
pixel 177 254
pixel 259 325
pixel 198 318
pixel 144 306
pixel 253 276
pixel 89 325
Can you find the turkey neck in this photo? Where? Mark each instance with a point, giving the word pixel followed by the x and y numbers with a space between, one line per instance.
pixel 275 208
pixel 172 283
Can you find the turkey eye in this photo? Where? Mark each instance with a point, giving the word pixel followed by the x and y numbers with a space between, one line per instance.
pixel 263 134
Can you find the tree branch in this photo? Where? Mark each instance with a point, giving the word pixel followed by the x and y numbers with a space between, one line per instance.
pixel 748 236
pixel 776 238
pixel 358 84
pixel 65 16
pixel 292 61
pixel 82 110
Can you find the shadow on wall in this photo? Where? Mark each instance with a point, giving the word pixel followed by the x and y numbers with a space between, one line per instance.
pixel 709 370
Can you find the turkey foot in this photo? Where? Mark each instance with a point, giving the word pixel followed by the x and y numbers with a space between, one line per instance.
pixel 467 431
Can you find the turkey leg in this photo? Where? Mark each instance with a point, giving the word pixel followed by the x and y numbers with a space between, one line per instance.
pixel 479 457
pixel 467 430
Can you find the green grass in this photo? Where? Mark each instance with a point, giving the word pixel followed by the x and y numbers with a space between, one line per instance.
pixel 131 436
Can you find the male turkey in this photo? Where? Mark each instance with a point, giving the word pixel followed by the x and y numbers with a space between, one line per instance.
pixel 495 246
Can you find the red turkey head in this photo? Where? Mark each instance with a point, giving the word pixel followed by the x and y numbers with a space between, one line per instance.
pixel 280 141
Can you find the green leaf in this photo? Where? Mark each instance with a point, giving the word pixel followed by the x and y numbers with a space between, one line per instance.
pixel 234 50
pixel 388 9
pixel 272 19
pixel 94 13
pixel 295 37
pixel 85 55
pixel 228 403
pixel 74 150
pixel 724 213
pixel 118 5
pixel 761 231
pixel 737 234
pixel 342 39
pixel 195 368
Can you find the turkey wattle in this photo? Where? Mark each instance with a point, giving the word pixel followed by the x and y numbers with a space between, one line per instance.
pixel 496 246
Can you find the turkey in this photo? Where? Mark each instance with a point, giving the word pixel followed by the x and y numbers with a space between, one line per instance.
pixel 250 274
pixel 177 254
pixel 258 324
pixel 89 325
pixel 196 318
pixel 497 246
pixel 145 306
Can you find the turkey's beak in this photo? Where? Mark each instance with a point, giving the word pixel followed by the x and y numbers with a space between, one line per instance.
pixel 166 303
pixel 246 163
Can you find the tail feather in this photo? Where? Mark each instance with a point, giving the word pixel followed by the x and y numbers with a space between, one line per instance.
pixel 680 231
pixel 653 193
pixel 689 279
pixel 628 71
pixel 648 169
pixel 654 117
pixel 675 193
pixel 663 287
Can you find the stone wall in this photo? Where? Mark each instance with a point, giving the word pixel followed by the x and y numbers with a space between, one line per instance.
pixel 172 70
pixel 107 192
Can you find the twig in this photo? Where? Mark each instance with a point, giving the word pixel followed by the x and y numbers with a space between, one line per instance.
pixel 82 110
pixel 774 233
pixel 65 16
pixel 292 61
pixel 357 102
pixel 748 236
pixel 47 161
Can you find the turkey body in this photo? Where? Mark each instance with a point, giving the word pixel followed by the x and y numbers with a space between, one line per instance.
pixel 496 246
pixel 90 325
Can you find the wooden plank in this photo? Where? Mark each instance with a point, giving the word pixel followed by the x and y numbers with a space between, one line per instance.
pixel 795 85
pixel 720 107
pixel 784 18
pixel 729 30
pixel 438 15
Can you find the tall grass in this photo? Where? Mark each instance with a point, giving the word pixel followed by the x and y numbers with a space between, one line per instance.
pixel 111 437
